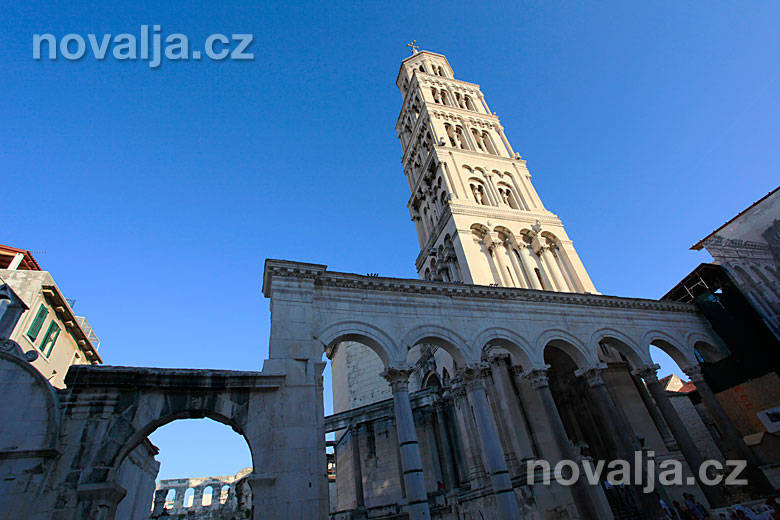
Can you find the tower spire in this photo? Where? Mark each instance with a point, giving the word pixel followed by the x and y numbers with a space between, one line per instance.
pixel 479 218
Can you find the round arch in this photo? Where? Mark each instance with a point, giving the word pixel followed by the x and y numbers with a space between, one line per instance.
pixel 364 333
pixel 567 343
pixel 670 345
pixel 711 347
pixel 508 340
pixel 623 344
pixel 442 337
pixel 138 435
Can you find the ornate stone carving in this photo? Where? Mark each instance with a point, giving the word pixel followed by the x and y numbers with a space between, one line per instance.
pixel 538 377
pixel 592 374
pixel 398 377
pixel 648 373
pixel 694 372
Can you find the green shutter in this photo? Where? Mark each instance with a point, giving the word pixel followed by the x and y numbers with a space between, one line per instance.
pixel 51 336
pixel 35 326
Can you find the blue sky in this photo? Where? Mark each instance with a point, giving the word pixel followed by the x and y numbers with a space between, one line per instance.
pixel 155 195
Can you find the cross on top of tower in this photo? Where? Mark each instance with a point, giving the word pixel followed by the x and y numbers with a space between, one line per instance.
pixel 413 46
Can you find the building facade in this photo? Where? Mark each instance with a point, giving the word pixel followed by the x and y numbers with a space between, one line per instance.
pixel 748 249
pixel 48 326
pixel 476 423
pixel 38 320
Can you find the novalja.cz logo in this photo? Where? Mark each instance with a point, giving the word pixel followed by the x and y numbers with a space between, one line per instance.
pixel 150 45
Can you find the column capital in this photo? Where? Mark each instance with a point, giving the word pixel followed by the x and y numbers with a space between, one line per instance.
pixel 538 377
pixel 694 372
pixel 473 374
pixel 647 372
pixel 518 370
pixel 398 376
pixel 592 374
pixel 494 357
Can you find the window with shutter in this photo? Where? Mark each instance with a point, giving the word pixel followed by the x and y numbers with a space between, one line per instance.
pixel 37 323
pixel 51 336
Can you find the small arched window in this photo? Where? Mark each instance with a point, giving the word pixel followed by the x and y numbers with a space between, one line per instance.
pixel 488 141
pixel 461 135
pixel 208 496
pixel 478 192
pixel 224 494
pixel 189 497
pixel 507 197
pixel 170 498
pixel 470 104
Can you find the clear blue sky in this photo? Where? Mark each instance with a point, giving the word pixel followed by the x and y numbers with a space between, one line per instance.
pixel 157 194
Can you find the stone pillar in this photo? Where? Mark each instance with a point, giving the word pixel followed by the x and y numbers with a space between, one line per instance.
pixel 622 436
pixel 555 272
pixel 590 500
pixel 511 407
pixel 411 463
pixel 197 497
pixel 655 414
pixel 447 456
pixel 681 435
pixel 491 444
pixel 357 469
pixel 756 478
pixel 475 472
pixel 528 264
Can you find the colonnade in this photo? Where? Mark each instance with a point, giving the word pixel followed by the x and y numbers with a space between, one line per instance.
pixel 480 432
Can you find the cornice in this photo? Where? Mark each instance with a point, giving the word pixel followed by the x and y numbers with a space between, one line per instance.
pixel 80 376
pixel 337 280
pixel 497 212
pixel 447 110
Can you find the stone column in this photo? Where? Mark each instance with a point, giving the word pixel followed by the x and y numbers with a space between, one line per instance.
pixel 555 272
pixel 519 272
pixel 475 472
pixel 655 414
pixel 528 264
pixel 447 456
pixel 411 463
pixel 511 407
pixel 496 246
pixel 197 497
pixel 590 500
pixel 679 431
pixel 491 444
pixel 357 469
pixel 756 477
pixel 622 436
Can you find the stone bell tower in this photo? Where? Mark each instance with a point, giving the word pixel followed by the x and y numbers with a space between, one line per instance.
pixel 479 219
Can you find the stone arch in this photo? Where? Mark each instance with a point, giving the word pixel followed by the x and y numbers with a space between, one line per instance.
pixel 567 343
pixel 623 344
pixel 133 438
pixel 364 333
pixel 670 345
pixel 442 337
pixel 431 380
pixel 706 348
pixel 508 340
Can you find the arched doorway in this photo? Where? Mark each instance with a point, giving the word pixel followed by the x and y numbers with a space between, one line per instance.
pixel 196 479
